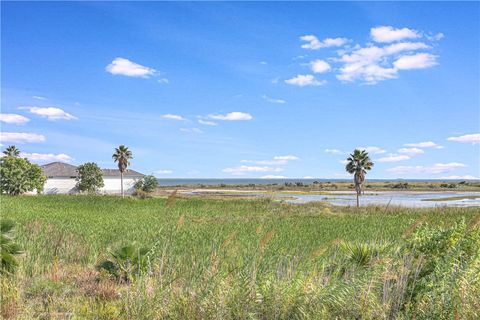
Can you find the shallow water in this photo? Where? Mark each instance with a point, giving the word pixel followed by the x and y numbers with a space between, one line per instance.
pixel 404 199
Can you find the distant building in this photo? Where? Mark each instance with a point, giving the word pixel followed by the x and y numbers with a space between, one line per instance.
pixel 61 178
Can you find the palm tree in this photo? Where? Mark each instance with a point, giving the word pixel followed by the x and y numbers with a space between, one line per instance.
pixel 11 151
pixel 122 155
pixel 8 248
pixel 358 164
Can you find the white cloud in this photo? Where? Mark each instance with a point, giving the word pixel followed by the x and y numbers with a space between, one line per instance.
pixel 372 149
pixel 411 151
pixel 173 117
pixel 51 113
pixel 125 67
pixel 390 34
pixel 305 80
pixel 473 138
pixel 13 118
pixel 272 176
pixel 279 101
pixel 39 98
pixel 334 151
pixel 191 130
pixel 372 64
pixel 425 144
pixel 163 171
pixel 314 43
pixel 163 81
pixel 207 123
pixel 308 177
pixel 343 161
pixel 320 66
pixel 244 169
pixel 46 157
pixel 263 62
pixel 232 116
pixel 277 160
pixel 21 137
pixel 434 169
pixel 394 158
pixel 466 177
pixel 416 61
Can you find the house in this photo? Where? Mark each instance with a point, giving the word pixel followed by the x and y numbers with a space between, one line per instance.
pixel 61 178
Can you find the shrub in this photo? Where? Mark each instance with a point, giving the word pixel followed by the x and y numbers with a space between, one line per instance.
pixel 8 249
pixel 90 177
pixel 125 262
pixel 147 184
pixel 18 175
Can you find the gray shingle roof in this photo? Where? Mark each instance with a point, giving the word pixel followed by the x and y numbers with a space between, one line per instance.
pixel 65 170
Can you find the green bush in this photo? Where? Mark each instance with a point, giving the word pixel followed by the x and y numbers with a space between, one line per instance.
pixel 90 177
pixel 8 249
pixel 147 184
pixel 18 175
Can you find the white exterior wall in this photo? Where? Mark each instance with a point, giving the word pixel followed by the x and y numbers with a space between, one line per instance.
pixel 67 185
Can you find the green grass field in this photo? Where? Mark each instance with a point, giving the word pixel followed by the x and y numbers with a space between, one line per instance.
pixel 241 259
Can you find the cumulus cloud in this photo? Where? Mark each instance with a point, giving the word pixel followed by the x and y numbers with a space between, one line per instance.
pixel 125 67
pixel 473 138
pixel 51 113
pixel 334 151
pixel 173 117
pixel 372 149
pixel 425 144
pixel 46 157
pixel 241 170
pixel 320 66
pixel 434 169
pixel 394 158
pixel 21 137
pixel 272 100
pixel 415 61
pixel 207 123
pixel 305 80
pixel 163 171
pixel 411 151
pixel 272 176
pixel 313 43
pixel 373 64
pixel 232 116
pixel 277 160
pixel 13 118
pixel 390 34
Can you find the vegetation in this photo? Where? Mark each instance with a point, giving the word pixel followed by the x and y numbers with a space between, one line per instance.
pixel 239 259
pixel 122 156
pixel 147 184
pixel 11 151
pixel 358 164
pixel 90 177
pixel 18 175
pixel 8 248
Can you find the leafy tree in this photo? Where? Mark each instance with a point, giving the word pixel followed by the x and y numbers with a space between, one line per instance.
pixel 18 175
pixel 8 249
pixel 90 177
pixel 147 184
pixel 358 164
pixel 122 156
pixel 11 151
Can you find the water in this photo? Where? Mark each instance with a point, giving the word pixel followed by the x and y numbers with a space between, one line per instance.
pixel 405 199
pixel 246 181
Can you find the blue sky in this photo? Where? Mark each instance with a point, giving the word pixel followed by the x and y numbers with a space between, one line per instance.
pixel 245 89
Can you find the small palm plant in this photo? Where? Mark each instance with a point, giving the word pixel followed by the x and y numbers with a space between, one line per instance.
pixel 11 151
pixel 8 249
pixel 122 156
pixel 358 164
pixel 126 262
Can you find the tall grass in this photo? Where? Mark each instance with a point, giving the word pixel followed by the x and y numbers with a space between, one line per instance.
pixel 242 259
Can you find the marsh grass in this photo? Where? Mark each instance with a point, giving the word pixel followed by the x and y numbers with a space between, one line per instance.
pixel 242 259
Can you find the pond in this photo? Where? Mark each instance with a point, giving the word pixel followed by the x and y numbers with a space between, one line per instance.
pixel 405 199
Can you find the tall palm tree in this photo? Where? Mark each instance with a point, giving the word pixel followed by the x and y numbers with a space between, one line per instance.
pixel 122 156
pixel 358 164
pixel 11 151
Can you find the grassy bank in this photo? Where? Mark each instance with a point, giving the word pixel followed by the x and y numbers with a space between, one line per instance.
pixel 241 259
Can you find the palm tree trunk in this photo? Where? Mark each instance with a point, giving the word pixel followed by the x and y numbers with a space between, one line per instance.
pixel 358 204
pixel 121 179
